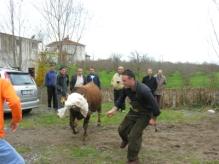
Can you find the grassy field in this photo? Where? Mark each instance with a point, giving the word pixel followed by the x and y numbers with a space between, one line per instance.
pixel 176 80
pixel 39 145
pixel 178 115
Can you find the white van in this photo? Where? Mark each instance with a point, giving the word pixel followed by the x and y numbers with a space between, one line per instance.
pixel 24 86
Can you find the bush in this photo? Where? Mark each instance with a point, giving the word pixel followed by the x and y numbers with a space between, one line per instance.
pixel 41 72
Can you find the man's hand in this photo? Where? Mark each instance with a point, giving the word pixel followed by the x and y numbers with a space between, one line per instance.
pixel 14 126
pixel 111 112
pixel 152 121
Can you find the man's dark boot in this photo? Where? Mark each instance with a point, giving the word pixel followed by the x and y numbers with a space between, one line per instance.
pixel 123 144
pixel 133 161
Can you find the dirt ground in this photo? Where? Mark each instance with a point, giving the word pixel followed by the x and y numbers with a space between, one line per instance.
pixel 173 143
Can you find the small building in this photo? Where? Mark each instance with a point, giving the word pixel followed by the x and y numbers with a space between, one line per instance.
pixel 87 57
pixel 74 51
pixel 25 51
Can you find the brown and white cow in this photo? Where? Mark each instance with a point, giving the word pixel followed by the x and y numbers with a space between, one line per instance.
pixel 82 103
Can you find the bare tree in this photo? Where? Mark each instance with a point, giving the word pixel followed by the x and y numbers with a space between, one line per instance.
pixel 15 26
pixel 135 58
pixel 116 60
pixel 214 41
pixel 12 12
pixel 65 18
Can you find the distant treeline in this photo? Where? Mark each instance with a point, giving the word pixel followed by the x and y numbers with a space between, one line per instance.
pixel 178 74
pixel 186 69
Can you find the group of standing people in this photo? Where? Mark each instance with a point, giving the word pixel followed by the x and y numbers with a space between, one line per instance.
pixel 58 84
pixel 156 83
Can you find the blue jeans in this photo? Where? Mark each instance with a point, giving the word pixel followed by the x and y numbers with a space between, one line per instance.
pixel 8 155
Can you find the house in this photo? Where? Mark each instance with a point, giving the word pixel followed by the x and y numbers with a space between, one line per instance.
pixel 74 51
pixel 25 51
pixel 87 57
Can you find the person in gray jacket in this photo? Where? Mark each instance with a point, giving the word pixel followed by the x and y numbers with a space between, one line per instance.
pixel 161 82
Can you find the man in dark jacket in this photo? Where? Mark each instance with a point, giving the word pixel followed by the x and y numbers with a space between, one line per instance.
pixel 150 81
pixel 93 77
pixel 62 86
pixel 77 80
pixel 144 111
pixel 50 83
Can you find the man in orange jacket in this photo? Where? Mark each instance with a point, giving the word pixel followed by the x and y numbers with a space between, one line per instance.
pixel 8 155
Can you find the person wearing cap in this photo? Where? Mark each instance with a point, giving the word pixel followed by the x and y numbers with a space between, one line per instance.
pixel 62 86
pixel 143 112
pixel 8 155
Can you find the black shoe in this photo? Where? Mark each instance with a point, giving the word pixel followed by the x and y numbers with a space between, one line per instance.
pixel 133 161
pixel 123 144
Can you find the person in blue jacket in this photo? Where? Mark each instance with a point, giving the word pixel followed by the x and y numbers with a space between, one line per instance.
pixel 50 83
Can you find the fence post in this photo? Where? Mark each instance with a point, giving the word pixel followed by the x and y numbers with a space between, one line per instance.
pixel 174 99
pixel 216 102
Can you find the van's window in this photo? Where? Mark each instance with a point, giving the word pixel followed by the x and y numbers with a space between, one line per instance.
pixel 20 79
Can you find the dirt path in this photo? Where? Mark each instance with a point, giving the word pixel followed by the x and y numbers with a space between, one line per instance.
pixel 173 143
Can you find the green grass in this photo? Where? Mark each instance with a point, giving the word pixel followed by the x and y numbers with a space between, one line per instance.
pixel 115 120
pixel 84 151
pixel 199 80
pixel 175 80
pixel 180 116
pixel 49 119
pixel 106 78
pixel 43 119
pixel 23 149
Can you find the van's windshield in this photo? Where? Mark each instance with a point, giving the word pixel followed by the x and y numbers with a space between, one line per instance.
pixel 20 78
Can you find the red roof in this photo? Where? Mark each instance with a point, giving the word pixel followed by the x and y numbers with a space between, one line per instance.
pixel 65 42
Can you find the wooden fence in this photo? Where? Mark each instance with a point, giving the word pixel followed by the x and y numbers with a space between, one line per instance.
pixel 170 98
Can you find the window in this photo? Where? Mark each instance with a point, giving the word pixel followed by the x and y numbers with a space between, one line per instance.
pixel 20 78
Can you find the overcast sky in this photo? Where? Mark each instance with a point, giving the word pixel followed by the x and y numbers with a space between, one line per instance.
pixel 169 30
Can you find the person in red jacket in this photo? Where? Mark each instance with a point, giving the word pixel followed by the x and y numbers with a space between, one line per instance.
pixel 7 94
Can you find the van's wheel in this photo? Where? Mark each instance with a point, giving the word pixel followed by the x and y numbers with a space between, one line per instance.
pixel 27 111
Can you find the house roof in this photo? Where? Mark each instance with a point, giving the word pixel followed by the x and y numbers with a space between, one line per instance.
pixel 32 39
pixel 65 42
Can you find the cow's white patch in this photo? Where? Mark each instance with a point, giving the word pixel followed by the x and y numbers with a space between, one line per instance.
pixel 77 100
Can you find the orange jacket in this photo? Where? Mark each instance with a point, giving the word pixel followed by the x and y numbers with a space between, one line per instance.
pixel 8 94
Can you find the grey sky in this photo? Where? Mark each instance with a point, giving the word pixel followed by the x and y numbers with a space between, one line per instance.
pixel 170 30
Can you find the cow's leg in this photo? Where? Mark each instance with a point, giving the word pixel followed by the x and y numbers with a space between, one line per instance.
pixel 99 114
pixel 85 125
pixel 73 122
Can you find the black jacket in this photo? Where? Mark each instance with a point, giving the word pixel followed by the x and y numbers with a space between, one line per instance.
pixel 62 86
pixel 73 81
pixel 141 99
pixel 151 82
pixel 93 78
